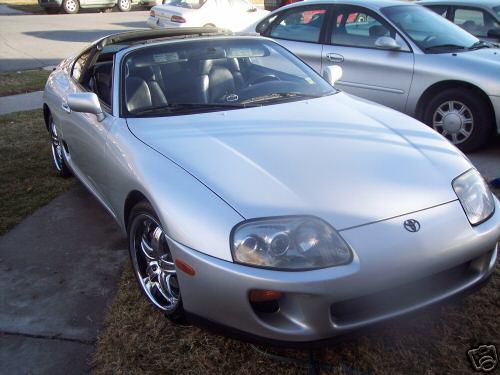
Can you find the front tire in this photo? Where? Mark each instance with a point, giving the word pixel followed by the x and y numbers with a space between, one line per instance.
pixel 124 5
pixel 153 263
pixel 57 151
pixel 462 117
pixel 70 6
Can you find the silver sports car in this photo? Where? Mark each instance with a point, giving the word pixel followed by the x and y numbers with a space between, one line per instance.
pixel 257 196
pixel 401 55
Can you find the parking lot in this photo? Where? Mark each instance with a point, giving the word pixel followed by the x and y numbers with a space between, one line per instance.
pixel 72 305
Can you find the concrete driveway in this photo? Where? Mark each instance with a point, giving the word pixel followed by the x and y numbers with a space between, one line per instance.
pixel 34 41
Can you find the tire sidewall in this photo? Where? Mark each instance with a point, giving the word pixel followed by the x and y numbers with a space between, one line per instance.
pixel 480 112
pixel 144 208
pixel 124 9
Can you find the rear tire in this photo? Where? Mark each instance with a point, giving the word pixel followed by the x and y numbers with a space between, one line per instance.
pixel 461 116
pixel 70 6
pixel 124 5
pixel 152 262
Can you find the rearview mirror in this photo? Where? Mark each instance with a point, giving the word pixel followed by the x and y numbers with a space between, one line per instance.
pixel 86 102
pixel 386 42
pixel 332 74
pixel 494 33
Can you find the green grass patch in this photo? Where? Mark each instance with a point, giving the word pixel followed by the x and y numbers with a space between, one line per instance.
pixel 24 81
pixel 27 179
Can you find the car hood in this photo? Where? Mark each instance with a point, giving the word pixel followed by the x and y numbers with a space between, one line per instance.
pixel 343 159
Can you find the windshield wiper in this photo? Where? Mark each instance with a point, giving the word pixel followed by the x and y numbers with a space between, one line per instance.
pixel 481 44
pixel 279 95
pixel 444 46
pixel 180 107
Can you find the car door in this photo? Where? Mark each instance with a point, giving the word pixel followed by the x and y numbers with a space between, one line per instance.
pixel 381 75
pixel 474 20
pixel 300 30
pixel 83 135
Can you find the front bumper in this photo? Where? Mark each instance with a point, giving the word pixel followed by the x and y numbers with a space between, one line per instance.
pixel 394 272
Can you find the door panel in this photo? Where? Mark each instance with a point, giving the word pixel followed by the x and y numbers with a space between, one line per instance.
pixel 383 76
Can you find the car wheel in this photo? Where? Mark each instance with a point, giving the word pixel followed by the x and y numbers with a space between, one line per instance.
pixel 460 116
pixel 124 5
pixel 51 10
pixel 57 151
pixel 152 261
pixel 70 6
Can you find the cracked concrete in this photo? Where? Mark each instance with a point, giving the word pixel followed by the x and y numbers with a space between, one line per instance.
pixel 58 271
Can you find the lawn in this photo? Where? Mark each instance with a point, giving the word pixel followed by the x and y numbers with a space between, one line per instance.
pixel 24 81
pixel 30 6
pixel 27 180
pixel 138 339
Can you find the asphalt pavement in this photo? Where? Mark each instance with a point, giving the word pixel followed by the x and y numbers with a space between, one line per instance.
pixel 36 41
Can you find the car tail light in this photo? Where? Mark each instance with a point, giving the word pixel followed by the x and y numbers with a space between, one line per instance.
pixel 152 13
pixel 178 19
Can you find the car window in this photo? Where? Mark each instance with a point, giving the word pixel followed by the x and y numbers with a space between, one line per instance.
pixel 358 29
pixel 475 21
pixel 78 71
pixel 300 24
pixel 190 4
pixel 439 9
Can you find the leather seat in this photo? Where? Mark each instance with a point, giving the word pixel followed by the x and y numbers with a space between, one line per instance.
pixel 142 90
pixel 219 78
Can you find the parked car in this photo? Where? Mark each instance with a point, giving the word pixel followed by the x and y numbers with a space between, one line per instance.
pixel 480 18
pixel 401 55
pixel 275 4
pixel 258 197
pixel 231 14
pixel 73 6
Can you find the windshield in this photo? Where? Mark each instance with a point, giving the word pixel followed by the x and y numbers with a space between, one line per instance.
pixel 430 31
pixel 217 74
pixel 191 4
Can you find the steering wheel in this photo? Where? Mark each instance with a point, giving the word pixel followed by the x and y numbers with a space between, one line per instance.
pixel 265 78
pixel 429 38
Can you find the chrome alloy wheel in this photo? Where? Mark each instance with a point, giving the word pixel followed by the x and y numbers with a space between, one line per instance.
pixel 71 5
pixel 453 120
pixel 125 4
pixel 153 263
pixel 57 151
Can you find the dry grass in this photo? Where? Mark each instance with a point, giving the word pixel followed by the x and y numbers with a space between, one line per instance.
pixel 24 81
pixel 27 180
pixel 30 6
pixel 139 340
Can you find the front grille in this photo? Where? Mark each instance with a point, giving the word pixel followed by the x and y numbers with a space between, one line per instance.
pixel 403 297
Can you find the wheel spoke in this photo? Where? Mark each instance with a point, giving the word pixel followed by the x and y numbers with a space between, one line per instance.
pixel 454 137
pixel 146 248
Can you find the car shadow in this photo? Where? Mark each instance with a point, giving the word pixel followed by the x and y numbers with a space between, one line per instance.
pixel 72 35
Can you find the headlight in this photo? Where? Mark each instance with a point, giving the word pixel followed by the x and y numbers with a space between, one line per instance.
pixel 475 196
pixel 289 243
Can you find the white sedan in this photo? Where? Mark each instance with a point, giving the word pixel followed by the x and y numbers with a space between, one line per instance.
pixel 234 15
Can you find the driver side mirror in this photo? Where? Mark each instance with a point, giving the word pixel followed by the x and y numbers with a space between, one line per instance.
pixel 86 102
pixel 332 74
pixel 494 33
pixel 386 42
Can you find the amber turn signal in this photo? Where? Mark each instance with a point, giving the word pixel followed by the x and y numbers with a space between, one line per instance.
pixel 184 267
pixel 264 295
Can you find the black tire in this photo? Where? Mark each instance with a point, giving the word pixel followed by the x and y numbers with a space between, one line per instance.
pixel 124 5
pixel 141 211
pixel 70 6
pixel 476 109
pixel 51 10
pixel 58 160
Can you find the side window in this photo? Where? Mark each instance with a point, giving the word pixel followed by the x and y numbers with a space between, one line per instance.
pixel 475 21
pixel 300 24
pixel 439 9
pixel 356 28
pixel 78 71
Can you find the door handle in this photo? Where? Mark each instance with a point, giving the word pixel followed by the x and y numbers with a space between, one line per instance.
pixel 65 108
pixel 334 57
